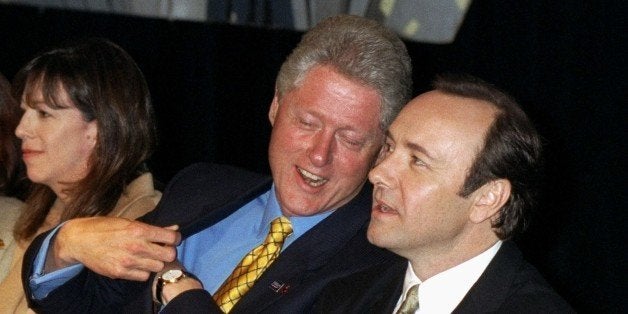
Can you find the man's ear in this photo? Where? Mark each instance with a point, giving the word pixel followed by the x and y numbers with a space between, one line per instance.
pixel 489 199
pixel 274 106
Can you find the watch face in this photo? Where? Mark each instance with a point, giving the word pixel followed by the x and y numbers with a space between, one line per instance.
pixel 172 274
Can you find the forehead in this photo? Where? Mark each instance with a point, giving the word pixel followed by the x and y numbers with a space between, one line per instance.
pixel 445 122
pixel 326 93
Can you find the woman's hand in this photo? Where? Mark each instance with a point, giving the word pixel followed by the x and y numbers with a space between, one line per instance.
pixel 113 247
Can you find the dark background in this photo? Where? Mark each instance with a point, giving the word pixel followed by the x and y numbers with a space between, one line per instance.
pixel 565 61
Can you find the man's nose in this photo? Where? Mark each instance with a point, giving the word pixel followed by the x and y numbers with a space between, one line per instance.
pixel 321 149
pixel 383 173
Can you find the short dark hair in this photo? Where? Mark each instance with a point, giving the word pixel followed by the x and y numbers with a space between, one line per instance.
pixel 512 151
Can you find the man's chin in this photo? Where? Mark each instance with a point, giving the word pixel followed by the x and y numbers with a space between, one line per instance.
pixel 303 209
pixel 373 236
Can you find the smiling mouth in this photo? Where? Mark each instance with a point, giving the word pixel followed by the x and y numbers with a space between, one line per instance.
pixel 311 179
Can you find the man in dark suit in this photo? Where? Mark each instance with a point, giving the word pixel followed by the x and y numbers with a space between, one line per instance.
pixel 335 95
pixel 454 184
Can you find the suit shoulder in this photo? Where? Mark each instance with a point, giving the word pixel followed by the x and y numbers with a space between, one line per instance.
pixel 209 173
pixel 201 188
pixel 368 291
pixel 531 292
pixel 211 180
pixel 385 272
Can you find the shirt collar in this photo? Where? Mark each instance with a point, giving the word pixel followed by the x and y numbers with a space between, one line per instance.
pixel 272 210
pixel 444 291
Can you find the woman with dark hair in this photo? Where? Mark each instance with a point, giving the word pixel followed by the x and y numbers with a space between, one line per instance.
pixel 87 130
pixel 13 182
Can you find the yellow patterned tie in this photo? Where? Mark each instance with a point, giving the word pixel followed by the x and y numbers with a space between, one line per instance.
pixel 253 265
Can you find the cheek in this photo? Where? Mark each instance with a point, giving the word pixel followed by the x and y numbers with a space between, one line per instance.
pixel 434 211
pixel 87 149
pixel 356 163
pixel 286 138
pixel 353 168
pixel 77 153
pixel 418 199
pixel 81 147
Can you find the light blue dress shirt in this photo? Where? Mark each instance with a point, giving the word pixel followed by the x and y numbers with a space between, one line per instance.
pixel 213 253
pixel 210 254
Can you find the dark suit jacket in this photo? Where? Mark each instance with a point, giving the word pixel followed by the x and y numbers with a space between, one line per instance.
pixel 508 285
pixel 198 197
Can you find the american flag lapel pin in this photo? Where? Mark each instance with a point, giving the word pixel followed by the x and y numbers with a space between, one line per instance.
pixel 279 287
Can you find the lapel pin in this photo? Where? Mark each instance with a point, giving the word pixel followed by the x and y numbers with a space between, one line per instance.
pixel 279 287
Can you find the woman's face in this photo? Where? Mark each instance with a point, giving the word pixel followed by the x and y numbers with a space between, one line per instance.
pixel 56 142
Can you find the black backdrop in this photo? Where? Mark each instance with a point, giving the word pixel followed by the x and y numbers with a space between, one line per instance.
pixel 565 61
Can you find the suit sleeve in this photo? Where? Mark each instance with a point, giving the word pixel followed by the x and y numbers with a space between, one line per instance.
pixel 188 197
pixel 40 284
pixel 192 302
pixel 85 293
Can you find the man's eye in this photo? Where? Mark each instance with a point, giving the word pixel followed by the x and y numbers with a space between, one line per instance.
pixel 418 162
pixel 352 141
pixel 305 123
pixel 353 144
pixel 388 147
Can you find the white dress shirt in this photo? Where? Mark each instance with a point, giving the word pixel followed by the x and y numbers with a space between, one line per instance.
pixel 443 292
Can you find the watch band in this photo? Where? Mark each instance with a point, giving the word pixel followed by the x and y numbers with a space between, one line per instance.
pixel 161 281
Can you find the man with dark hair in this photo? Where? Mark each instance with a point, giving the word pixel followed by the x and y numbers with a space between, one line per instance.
pixel 453 185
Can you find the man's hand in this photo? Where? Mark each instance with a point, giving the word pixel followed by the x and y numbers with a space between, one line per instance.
pixel 113 247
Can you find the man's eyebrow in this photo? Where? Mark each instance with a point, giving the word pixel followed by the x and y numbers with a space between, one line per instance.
pixel 412 146
pixel 418 148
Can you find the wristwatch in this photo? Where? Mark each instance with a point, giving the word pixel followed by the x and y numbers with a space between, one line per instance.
pixel 170 276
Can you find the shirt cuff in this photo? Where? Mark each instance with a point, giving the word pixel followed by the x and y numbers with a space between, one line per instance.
pixel 42 284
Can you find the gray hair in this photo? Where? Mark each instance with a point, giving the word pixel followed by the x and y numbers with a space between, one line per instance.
pixel 361 49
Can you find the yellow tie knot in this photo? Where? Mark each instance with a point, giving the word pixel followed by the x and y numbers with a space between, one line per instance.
pixel 280 229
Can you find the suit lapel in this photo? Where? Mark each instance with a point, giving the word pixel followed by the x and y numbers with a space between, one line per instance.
pixel 214 212
pixel 384 296
pixel 373 290
pixel 311 251
pixel 315 247
pixel 491 289
pixel 202 194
